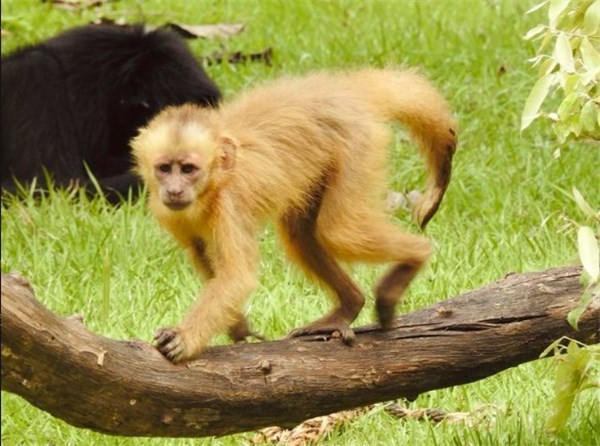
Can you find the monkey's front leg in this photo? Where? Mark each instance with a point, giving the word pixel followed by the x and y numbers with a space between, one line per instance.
pixel 218 310
pixel 215 312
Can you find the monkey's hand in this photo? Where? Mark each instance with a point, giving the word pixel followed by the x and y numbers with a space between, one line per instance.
pixel 333 329
pixel 174 346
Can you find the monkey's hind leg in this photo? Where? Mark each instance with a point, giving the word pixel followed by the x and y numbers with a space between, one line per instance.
pixel 390 289
pixel 299 236
pixel 374 239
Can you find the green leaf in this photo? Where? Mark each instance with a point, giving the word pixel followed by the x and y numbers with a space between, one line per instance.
pixel 569 107
pixel 575 314
pixel 591 20
pixel 570 375
pixel 555 348
pixel 533 32
pixel 588 117
pixel 589 54
pixel 536 7
pixel 564 54
pixel 537 59
pixel 549 37
pixel 555 11
pixel 589 254
pixel 568 112
pixel 547 66
pixel 570 83
pixel 562 131
pixel 583 205
pixel 535 99
pixel 590 76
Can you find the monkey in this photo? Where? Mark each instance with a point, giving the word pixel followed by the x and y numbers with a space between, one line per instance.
pixel 308 153
pixel 74 101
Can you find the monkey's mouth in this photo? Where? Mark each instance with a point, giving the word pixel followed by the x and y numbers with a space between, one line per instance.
pixel 177 205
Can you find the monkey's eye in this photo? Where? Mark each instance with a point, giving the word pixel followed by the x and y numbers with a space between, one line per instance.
pixel 188 168
pixel 164 168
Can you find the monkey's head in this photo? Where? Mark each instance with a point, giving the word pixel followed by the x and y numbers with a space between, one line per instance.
pixel 179 157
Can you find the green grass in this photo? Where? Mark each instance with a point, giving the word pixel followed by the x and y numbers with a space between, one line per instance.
pixel 508 207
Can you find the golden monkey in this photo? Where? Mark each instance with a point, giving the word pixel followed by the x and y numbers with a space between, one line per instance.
pixel 310 154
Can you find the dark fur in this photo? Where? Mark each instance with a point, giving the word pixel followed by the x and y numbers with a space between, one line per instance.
pixel 79 97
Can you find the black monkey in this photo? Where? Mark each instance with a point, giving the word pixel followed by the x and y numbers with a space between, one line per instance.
pixel 78 98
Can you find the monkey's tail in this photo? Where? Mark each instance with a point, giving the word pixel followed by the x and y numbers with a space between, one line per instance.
pixel 407 97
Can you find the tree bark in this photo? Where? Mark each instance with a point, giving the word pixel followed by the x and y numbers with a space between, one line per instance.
pixel 127 388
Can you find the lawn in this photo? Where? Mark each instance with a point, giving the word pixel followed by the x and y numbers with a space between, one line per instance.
pixel 508 207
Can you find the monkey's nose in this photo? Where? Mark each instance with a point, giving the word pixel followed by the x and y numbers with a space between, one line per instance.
pixel 175 193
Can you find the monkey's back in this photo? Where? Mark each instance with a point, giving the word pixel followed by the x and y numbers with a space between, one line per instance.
pixel 307 129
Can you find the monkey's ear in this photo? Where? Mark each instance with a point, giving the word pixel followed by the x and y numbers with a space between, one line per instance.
pixel 227 152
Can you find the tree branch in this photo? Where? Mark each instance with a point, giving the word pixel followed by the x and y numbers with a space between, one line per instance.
pixel 128 388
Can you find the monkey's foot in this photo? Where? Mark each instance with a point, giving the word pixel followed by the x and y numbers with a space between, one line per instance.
pixel 172 345
pixel 334 330
pixel 240 332
pixel 385 314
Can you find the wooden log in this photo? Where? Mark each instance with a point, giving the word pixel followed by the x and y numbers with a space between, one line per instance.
pixel 127 388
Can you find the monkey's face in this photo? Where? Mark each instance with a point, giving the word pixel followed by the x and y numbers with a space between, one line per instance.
pixel 181 158
pixel 180 180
